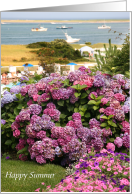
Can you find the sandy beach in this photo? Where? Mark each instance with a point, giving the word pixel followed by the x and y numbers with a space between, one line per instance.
pixel 64 21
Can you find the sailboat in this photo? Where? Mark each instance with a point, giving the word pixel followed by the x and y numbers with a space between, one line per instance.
pixel 104 26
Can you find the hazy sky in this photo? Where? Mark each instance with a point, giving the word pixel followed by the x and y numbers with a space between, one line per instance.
pixel 65 15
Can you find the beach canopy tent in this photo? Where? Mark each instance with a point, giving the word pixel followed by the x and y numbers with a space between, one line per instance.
pixel 72 66
pixel 88 49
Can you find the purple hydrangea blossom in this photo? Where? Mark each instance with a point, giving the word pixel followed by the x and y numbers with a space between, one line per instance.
pixel 3 121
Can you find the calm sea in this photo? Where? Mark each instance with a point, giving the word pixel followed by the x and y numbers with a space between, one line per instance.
pixel 20 33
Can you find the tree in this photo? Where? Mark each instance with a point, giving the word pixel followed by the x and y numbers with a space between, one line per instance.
pixel 122 60
pixel 115 61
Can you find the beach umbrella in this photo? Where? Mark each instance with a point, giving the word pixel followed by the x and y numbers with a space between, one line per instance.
pixel 28 65
pixel 71 66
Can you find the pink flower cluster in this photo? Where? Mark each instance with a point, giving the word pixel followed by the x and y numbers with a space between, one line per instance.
pixel 103 172
pixel 52 111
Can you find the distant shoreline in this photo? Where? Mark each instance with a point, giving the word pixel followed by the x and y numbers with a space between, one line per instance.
pixel 64 21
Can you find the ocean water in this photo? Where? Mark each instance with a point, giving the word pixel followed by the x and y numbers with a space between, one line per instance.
pixel 20 33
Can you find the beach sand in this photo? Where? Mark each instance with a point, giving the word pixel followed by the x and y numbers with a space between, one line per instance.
pixel 64 21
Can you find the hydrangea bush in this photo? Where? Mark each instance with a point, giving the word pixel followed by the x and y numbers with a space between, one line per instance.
pixel 61 117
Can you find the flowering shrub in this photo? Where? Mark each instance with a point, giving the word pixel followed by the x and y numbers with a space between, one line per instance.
pixel 103 172
pixel 68 115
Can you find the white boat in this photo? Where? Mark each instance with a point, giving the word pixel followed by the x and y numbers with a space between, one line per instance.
pixel 39 29
pixel 70 39
pixel 104 27
pixel 3 23
pixel 53 23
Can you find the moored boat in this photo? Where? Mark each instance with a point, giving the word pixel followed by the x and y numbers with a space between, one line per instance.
pixel 70 39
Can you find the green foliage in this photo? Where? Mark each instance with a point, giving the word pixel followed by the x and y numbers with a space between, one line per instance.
pixel 115 61
pixel 58 51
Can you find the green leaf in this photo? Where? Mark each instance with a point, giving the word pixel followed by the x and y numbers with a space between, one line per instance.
pixel 79 87
pixel 83 101
pixel 88 91
pixel 99 97
pixel 77 104
pixel 57 124
pixel 23 150
pixel 47 134
pixel 8 142
pixel 81 113
pixel 111 139
pixel 116 135
pixel 62 116
pixel 95 107
pixel 104 117
pixel 83 86
pixel 76 110
pixel 18 96
pixel 92 96
pixel 107 141
pixel 107 104
pixel 11 120
pixel 87 115
pixel 103 125
pixel 77 94
pixel 84 95
pixel 13 145
pixel 107 127
pixel 84 107
pixel 43 103
pixel 98 117
pixel 85 124
pixel 67 101
pixel 120 126
pixel 69 118
pixel 70 108
pixel 98 102
pixel 92 102
pixel 110 116
pixel 16 111
pixel 60 102
pixel 112 124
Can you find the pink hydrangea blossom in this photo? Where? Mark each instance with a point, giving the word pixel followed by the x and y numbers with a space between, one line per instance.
pixel 120 97
pixel 118 142
pixel 110 146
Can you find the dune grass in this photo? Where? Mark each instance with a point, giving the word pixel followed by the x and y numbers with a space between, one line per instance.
pixel 17 55
pixel 33 180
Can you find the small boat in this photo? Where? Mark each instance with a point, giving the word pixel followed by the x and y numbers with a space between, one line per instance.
pixel 104 27
pixel 3 23
pixel 70 39
pixel 53 23
pixel 39 29
pixel 63 27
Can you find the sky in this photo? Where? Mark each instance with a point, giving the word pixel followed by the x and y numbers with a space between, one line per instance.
pixel 64 15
